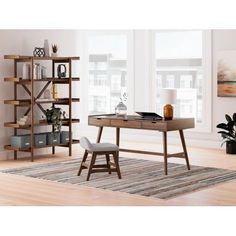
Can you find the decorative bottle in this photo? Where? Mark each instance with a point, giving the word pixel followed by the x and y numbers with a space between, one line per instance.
pixel 121 109
pixel 46 48
pixel 54 91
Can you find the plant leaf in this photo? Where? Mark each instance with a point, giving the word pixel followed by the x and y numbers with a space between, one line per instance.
pixel 234 117
pixel 223 126
pixel 230 126
pixel 225 134
pixel 223 142
pixel 228 118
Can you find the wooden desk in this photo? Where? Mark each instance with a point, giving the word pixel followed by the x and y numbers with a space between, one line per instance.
pixel 135 122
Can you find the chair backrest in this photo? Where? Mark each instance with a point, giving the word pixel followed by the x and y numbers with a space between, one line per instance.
pixel 85 143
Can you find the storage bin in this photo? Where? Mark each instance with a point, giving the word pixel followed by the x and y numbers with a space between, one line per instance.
pixel 21 141
pixel 65 137
pixel 53 138
pixel 40 140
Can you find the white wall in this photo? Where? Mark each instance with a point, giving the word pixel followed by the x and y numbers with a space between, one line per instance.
pixel 223 40
pixel 23 42
pixel 71 42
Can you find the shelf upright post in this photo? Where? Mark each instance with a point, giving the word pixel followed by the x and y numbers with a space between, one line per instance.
pixel 53 76
pixel 15 98
pixel 32 109
pixel 70 107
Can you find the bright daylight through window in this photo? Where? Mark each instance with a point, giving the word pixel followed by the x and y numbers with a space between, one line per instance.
pixel 179 64
pixel 107 71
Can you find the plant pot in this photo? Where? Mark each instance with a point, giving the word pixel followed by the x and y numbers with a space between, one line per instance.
pixel 54 54
pixel 231 147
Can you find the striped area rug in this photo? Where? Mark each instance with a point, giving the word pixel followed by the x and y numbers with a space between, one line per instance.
pixel 139 177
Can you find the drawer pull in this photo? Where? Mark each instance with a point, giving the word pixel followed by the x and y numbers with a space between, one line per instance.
pixel 154 122
pixel 125 120
pixel 99 118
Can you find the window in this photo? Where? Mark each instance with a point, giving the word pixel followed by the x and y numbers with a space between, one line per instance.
pixel 181 62
pixel 107 70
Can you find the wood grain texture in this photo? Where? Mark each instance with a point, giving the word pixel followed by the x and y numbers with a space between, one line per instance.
pixel 134 122
pixel 36 100
pixel 59 59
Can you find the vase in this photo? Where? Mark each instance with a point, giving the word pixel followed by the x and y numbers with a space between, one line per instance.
pixel 46 48
pixel 121 109
pixel 54 54
pixel 231 147
pixel 26 71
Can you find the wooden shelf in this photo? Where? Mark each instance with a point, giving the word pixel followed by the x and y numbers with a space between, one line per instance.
pixel 58 80
pixel 65 122
pixel 9 147
pixel 17 80
pixel 60 59
pixel 16 57
pixel 57 59
pixel 35 98
pixel 27 102
pixel 58 101
pixel 28 81
pixel 16 126
pixel 22 102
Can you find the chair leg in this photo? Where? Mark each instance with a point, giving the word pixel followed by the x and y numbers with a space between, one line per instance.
pixel 116 160
pixel 91 165
pixel 81 164
pixel 108 163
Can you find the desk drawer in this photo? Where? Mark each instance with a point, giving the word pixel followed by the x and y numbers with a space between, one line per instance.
pixel 98 121
pixel 154 125
pixel 126 123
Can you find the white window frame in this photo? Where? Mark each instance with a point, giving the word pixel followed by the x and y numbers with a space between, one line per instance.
pixel 206 125
pixel 130 67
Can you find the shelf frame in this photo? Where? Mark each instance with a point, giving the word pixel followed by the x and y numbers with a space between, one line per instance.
pixel 9 147
pixel 28 86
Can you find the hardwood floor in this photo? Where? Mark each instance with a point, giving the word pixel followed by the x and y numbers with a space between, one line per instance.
pixel 21 190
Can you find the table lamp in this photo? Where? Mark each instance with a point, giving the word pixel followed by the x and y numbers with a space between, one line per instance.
pixel 168 97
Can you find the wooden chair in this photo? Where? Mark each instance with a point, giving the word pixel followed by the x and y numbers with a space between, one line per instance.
pixel 95 149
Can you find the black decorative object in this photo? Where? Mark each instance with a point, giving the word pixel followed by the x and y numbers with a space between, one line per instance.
pixel 61 71
pixel 229 133
pixel 39 52
pixel 231 147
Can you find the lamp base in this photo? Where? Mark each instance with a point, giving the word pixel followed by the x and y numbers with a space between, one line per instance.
pixel 168 112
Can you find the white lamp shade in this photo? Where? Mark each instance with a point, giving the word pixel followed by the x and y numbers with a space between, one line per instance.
pixel 168 96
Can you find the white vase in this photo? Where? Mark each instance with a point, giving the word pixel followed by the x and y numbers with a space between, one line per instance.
pixel 25 71
pixel 54 54
pixel 121 109
pixel 46 48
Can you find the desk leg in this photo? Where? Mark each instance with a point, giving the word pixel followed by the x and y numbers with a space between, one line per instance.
pixel 184 148
pixel 99 134
pixel 165 151
pixel 118 136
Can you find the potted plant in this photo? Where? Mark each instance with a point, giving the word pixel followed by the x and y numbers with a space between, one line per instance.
pixel 229 133
pixel 54 116
pixel 54 50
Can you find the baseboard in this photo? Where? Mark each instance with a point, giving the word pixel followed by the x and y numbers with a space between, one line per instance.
pixel 3 155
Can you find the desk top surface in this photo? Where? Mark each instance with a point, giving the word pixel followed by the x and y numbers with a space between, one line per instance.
pixel 137 122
